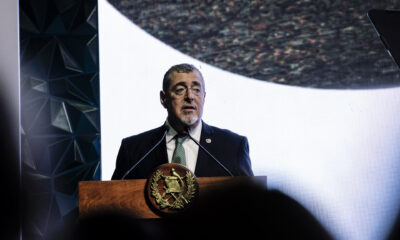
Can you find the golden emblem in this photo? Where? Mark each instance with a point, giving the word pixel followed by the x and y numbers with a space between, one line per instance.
pixel 176 192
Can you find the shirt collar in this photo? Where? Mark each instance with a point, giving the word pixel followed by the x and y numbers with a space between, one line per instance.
pixel 195 133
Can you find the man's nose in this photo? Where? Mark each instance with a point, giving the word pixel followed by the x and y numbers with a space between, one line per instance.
pixel 189 94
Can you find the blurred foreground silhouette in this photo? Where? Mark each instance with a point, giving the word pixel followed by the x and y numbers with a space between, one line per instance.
pixel 244 211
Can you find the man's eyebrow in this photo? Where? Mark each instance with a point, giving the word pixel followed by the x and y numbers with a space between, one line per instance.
pixel 196 83
pixel 183 84
pixel 179 84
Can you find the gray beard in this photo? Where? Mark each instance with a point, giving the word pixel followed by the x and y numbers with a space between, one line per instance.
pixel 189 120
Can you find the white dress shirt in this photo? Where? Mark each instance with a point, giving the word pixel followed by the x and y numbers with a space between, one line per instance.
pixel 191 148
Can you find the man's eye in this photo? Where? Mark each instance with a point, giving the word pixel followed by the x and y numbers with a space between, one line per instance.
pixel 179 90
pixel 196 90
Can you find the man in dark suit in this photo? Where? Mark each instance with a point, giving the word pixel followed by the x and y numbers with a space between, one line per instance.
pixel 183 96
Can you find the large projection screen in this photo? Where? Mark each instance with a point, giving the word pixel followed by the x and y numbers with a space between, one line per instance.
pixel 335 151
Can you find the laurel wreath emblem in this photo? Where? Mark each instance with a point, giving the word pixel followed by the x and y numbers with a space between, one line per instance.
pixel 183 198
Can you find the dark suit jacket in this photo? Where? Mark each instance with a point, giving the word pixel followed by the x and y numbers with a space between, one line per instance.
pixel 230 149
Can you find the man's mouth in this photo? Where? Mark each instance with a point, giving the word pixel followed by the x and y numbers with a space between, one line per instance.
pixel 187 108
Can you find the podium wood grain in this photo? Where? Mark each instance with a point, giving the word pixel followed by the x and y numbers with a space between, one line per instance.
pixel 129 195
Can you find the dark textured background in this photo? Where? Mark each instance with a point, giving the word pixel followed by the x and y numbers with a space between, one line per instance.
pixel 60 110
pixel 321 44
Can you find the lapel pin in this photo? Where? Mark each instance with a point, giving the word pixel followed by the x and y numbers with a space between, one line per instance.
pixel 208 140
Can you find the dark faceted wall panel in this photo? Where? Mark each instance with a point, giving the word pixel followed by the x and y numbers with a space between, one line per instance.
pixel 60 111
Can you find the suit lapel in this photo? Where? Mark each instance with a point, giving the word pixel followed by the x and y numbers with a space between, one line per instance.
pixel 157 157
pixel 160 154
pixel 205 164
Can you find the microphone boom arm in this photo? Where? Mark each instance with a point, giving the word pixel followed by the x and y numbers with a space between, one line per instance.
pixel 140 160
pixel 209 154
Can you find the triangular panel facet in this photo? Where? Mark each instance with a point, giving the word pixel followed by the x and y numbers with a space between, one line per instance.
pixel 69 60
pixel 39 85
pixel 26 23
pixel 65 202
pixel 93 46
pixel 92 18
pixel 59 116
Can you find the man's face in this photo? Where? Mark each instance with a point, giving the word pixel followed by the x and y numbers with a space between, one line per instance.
pixel 184 99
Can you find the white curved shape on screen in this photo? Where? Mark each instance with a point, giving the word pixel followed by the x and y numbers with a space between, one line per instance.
pixel 334 151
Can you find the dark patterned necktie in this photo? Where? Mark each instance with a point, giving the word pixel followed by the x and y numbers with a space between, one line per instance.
pixel 179 153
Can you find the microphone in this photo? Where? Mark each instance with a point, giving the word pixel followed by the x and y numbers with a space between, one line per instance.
pixel 141 159
pixel 208 153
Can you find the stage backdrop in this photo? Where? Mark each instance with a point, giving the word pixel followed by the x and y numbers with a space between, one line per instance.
pixel 308 83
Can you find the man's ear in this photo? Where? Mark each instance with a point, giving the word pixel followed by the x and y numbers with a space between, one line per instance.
pixel 163 99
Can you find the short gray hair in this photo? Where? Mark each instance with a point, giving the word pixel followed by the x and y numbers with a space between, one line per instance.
pixel 179 68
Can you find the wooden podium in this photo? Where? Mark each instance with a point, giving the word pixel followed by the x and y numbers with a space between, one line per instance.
pixel 129 195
